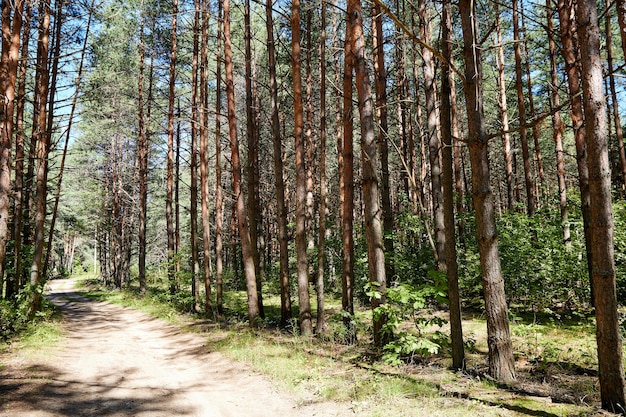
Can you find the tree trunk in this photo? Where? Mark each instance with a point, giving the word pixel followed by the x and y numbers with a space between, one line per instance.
pixel 431 136
pixel 501 362
pixel 373 223
pixel 608 334
pixel 306 326
pixel 380 77
pixel 347 180
pixel 204 157
pixel 531 203
pixel 557 128
pixel 142 155
pixel 169 208
pixel 569 41
pixel 244 232
pixel 321 238
pixel 504 116
pixel 8 72
pixel 43 149
pixel 20 187
pixel 193 163
pixel 618 124
pixel 252 136
pixel 219 189
pixel 281 207
pixel 451 266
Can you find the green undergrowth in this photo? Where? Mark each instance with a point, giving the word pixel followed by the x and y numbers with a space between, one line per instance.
pixel 554 360
pixel 34 338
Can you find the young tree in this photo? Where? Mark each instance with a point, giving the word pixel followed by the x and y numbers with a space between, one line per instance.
pixel 501 362
pixel 608 334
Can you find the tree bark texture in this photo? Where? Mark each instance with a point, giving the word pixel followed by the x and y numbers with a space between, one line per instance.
pixel 501 362
pixel 608 334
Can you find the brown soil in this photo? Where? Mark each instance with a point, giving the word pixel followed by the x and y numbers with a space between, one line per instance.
pixel 116 361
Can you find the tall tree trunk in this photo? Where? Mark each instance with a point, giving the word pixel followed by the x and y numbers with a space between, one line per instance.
pixel 252 136
pixel 531 203
pixel 431 136
pixel 8 72
pixel 193 163
pixel 501 362
pixel 219 189
pixel 20 187
pixel 169 204
pixel 504 116
pixel 611 371
pixel 536 129
pixel 43 149
pixel 557 127
pixel 204 156
pixel 177 194
pixel 380 77
pixel 618 124
pixel 569 48
pixel 142 155
pixel 321 238
pixel 451 266
pixel 306 326
pixel 308 134
pixel 244 232
pixel 347 192
pixel 58 24
pixel 373 223
pixel 279 184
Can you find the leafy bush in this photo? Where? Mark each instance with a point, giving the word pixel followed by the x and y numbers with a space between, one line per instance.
pixel 405 303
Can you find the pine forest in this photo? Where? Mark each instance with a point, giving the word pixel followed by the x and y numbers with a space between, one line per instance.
pixel 421 184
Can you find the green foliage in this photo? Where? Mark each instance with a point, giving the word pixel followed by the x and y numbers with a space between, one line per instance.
pixel 539 270
pixel 14 314
pixel 405 304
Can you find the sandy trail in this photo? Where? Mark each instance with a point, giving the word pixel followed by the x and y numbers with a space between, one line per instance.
pixel 116 361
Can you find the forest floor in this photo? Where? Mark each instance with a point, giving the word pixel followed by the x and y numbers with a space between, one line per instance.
pixel 116 361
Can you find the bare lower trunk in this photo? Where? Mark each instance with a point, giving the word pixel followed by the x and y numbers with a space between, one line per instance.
pixel 321 238
pixel 281 207
pixel 347 192
pixel 608 334
pixel 169 203
pixel 306 326
pixel 380 76
pixel 501 362
pixel 43 149
pixel 451 266
pixel 244 233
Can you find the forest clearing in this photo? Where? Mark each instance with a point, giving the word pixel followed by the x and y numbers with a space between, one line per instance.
pixel 408 203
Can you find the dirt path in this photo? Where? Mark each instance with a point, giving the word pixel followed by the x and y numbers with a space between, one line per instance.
pixel 115 361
